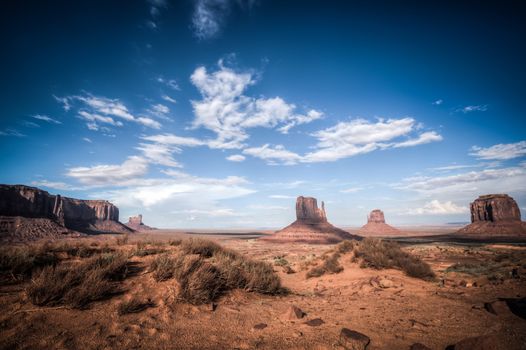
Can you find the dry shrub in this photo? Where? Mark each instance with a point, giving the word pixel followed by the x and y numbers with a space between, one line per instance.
pixel 134 305
pixel 330 265
pixel 200 246
pixel 175 242
pixel 163 267
pixel 77 285
pixel 378 254
pixel 17 263
pixel 345 246
pixel 205 270
pixel 122 240
pixel 78 249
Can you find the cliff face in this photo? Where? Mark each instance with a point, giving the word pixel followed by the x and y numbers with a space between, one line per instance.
pixel 376 216
pixel 495 215
pixel 495 207
pixel 376 225
pixel 307 210
pixel 31 202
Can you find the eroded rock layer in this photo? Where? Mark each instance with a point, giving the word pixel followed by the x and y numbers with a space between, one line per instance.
pixel 376 225
pixel 311 226
pixel 495 215
pixel 90 216
pixel 135 223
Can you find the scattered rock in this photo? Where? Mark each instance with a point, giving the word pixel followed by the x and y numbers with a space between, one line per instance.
pixel 260 326
pixel 353 340
pixel 288 270
pixel 418 346
pixel 311 226
pixel 385 283
pixel 293 313
pixel 315 322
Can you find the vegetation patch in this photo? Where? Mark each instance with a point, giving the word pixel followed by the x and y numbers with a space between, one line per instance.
pixel 134 305
pixel 330 265
pixel 18 263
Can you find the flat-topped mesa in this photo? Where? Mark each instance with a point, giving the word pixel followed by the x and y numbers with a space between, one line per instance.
pixel 495 207
pixel 135 220
pixel 135 223
pixel 307 210
pixel 76 214
pixel 376 225
pixel 376 216
pixel 494 215
pixel 311 226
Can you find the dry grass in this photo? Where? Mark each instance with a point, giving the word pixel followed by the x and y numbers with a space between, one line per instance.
pixel 162 267
pixel 77 285
pixel 330 265
pixel 18 263
pixel 134 305
pixel 378 254
pixel 200 246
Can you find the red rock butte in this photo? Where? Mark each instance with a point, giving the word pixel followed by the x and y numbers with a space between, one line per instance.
pixel 376 225
pixel 495 215
pixel 311 226
pixel 135 223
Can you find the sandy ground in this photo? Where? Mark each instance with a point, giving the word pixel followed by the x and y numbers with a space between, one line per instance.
pixel 410 310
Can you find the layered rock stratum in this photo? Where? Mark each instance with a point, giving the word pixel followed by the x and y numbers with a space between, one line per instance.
pixel 59 213
pixel 311 226
pixel 376 225
pixel 495 215
pixel 135 223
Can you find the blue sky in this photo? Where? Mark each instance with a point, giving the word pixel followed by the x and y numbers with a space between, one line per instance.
pixel 217 113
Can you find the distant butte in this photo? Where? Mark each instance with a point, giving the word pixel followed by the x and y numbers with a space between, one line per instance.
pixel 376 225
pixel 135 223
pixel 311 226
pixel 495 215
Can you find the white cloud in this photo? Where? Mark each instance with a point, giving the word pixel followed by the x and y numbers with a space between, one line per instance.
pixel 171 83
pixel 352 190
pixel 55 185
pixel 174 140
pixel 456 167
pixel 228 112
pixel 87 139
pixel 168 98
pixel 96 109
pixel 46 119
pixel 500 151
pixel 159 154
pixel 105 175
pixel 219 212
pixel 475 108
pixel 11 132
pixel 422 139
pixel 438 102
pixel 435 207
pixel 236 158
pixel 511 179
pixel 280 196
pixel 273 155
pixel 208 17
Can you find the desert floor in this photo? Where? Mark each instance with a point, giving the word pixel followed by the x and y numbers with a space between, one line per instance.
pixel 481 299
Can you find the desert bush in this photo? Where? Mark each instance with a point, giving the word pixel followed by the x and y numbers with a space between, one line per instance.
pixel 280 261
pixel 162 267
pixel 148 251
pixel 200 246
pixel 134 305
pixel 345 246
pixel 122 240
pixel 175 242
pixel 17 263
pixel 77 285
pixel 330 265
pixel 201 283
pixel 378 254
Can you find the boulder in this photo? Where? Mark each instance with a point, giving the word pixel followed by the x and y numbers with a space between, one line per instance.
pixel 495 215
pixel 353 340
pixel 376 225
pixel 485 342
pixel 311 226
pixel 293 313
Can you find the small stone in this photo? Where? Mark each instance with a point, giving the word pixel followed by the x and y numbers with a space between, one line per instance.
pixel 315 322
pixel 385 283
pixel 288 270
pixel 260 326
pixel 353 340
pixel 293 313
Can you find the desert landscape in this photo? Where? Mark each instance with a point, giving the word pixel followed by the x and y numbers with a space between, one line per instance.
pixel 308 286
pixel 263 175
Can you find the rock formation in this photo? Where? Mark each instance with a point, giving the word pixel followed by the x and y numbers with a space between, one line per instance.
pixel 311 226
pixel 495 215
pixel 88 216
pixel 376 225
pixel 135 223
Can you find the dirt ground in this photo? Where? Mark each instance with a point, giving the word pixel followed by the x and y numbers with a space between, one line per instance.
pixel 460 303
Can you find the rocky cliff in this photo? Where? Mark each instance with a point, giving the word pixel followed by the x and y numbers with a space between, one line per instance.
pixel 376 225
pixel 75 214
pixel 311 226
pixel 135 223
pixel 495 215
